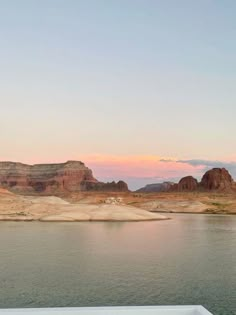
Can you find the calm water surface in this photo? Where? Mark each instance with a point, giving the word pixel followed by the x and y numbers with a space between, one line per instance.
pixel 188 260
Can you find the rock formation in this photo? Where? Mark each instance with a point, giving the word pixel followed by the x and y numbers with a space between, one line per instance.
pixel 71 176
pixel 187 183
pixel 217 179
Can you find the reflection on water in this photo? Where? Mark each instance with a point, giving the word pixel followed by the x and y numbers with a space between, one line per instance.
pixel 187 260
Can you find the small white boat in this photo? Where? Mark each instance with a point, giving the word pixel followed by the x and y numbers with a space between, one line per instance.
pixel 111 310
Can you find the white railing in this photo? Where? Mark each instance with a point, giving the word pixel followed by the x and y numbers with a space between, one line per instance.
pixel 113 310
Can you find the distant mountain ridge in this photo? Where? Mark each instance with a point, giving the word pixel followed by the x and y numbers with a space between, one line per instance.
pixel 71 176
pixel 157 187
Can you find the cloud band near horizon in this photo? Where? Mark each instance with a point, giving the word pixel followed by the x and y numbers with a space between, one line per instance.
pixel 139 171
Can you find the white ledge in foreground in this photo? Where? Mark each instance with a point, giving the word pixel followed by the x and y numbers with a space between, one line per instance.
pixel 112 310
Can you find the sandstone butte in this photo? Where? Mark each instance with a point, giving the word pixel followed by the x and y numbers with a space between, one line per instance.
pixel 53 179
pixel 214 180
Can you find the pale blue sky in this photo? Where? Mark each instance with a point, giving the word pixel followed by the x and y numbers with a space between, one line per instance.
pixel 124 77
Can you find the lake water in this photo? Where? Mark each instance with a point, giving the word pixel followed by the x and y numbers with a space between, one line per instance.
pixel 188 260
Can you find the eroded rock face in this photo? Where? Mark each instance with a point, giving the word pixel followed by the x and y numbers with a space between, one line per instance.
pixel 217 179
pixel 49 179
pixel 187 183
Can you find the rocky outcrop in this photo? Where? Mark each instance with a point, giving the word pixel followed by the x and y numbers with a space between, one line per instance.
pixel 217 179
pixel 187 183
pixel 159 187
pixel 71 176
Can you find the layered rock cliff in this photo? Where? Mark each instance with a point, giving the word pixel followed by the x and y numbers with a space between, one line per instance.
pixel 71 176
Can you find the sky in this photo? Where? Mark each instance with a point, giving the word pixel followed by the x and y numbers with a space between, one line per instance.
pixel 139 90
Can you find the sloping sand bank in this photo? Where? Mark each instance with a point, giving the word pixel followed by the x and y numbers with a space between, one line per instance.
pixel 187 206
pixel 21 208
pixel 103 213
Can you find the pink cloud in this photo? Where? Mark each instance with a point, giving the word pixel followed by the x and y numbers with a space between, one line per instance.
pixel 107 166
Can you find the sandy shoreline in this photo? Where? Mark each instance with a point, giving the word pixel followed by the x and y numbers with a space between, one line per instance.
pixel 110 206
pixel 54 209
